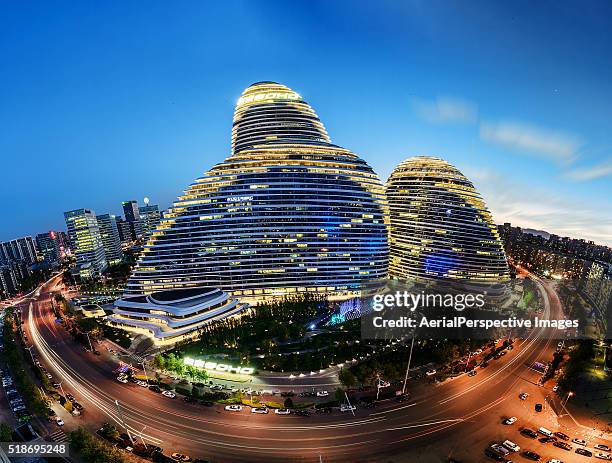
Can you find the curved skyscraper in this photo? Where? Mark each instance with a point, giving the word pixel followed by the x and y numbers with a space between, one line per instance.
pixel 440 227
pixel 287 212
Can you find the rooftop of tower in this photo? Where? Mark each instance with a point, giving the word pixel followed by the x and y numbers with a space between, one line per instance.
pixel 269 112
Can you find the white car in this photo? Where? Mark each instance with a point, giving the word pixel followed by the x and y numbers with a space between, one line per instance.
pixel 282 411
pixel 511 446
pixel 347 408
pixel 142 383
pixel 554 460
pixel 59 422
pixel 260 410
pixel 122 379
pixel 556 388
pixel 233 408
pixel 523 396
pixel 169 394
pixel 578 441
pixel 510 420
pixel 322 393
pixel 603 456
pixel 430 372
pixel 602 447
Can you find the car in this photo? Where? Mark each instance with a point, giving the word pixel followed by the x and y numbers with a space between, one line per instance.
pixel 562 445
pixel 555 388
pixel 530 455
pixel 510 420
pixel 554 460
pixel 49 376
pixel 538 407
pixel 500 449
pixel 347 408
pixel 59 422
pixel 561 435
pixel 472 373
pixel 155 388
pixel 322 393
pixel 493 454
pixel 585 452
pixel 189 399
pixel 142 383
pixel 529 433
pixel 233 408
pixel 77 406
pixel 55 385
pixel 207 403
pixel 547 439
pixel 575 440
pixel 282 411
pixel 301 413
pixel 511 446
pixel 430 372
pixel 603 456
pixel 169 394
pixel 122 379
pixel 180 457
pixel 523 396
pixel 70 397
pixel 602 447
pixel 260 410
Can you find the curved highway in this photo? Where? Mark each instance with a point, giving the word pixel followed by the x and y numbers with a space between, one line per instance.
pixel 459 417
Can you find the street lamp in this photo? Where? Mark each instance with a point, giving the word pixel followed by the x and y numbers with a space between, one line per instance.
pixel 569 394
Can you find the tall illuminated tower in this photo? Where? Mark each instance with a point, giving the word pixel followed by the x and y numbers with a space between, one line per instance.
pixel 86 241
pixel 287 212
pixel 440 227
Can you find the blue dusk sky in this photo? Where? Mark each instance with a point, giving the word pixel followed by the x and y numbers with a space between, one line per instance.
pixel 103 102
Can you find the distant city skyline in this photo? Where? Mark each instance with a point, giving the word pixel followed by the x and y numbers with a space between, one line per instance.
pixel 508 94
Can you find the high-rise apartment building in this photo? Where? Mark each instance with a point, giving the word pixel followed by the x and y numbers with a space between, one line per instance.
pixel 287 212
pixel 49 248
pixel 131 212
pixel 18 250
pixel 109 233
pixel 84 234
pixel 150 217
pixel 439 226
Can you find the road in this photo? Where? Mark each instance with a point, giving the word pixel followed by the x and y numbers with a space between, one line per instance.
pixel 458 418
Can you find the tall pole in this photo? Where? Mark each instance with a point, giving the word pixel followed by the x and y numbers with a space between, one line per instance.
pixel 123 422
pixel 408 367
pixel 467 365
pixel 145 371
pixel 349 403
pixel 142 439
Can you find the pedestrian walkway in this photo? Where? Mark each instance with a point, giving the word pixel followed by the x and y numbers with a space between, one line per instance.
pixel 58 436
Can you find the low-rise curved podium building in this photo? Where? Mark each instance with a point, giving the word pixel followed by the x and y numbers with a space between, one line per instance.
pixel 173 315
pixel 287 212
pixel 440 227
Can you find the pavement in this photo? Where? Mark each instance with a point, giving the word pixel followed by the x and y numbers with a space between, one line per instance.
pixel 457 418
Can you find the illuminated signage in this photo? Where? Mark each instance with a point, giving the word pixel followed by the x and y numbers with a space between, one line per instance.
pixel 220 367
pixel 268 96
pixel 239 199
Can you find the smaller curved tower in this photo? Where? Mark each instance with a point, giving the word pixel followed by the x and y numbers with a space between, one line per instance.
pixel 440 227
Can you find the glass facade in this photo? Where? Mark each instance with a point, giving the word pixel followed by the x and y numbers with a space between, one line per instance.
pixel 286 212
pixel 440 227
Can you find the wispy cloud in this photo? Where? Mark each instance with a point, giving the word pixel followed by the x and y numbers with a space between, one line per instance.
pixel 446 110
pixel 559 146
pixel 562 215
pixel 591 173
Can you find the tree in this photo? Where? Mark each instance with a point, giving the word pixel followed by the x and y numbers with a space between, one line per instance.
pixel 288 402
pixel 346 378
pixel 6 433
pixel 339 394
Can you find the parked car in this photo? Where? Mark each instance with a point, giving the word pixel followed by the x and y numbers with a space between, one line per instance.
pixel 233 408
pixel 169 394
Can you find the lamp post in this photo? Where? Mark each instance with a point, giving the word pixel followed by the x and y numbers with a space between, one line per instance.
pixel 408 366
pixel 142 439
pixel 569 394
